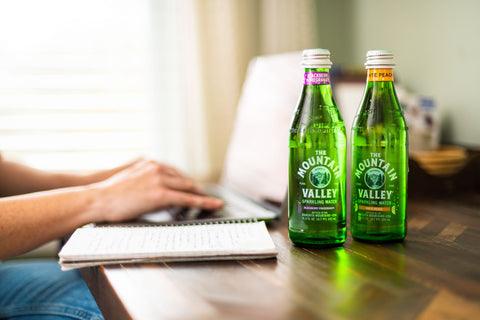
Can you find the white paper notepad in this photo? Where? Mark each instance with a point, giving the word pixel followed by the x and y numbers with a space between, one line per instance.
pixel 91 246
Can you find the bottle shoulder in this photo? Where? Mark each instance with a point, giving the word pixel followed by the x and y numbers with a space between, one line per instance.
pixel 378 118
pixel 379 105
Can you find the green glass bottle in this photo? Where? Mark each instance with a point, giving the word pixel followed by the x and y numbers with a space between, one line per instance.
pixel 379 157
pixel 317 160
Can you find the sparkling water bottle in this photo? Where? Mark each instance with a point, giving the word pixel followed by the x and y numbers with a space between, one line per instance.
pixel 317 168
pixel 379 157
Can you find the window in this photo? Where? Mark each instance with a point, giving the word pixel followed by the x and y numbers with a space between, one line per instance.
pixel 74 82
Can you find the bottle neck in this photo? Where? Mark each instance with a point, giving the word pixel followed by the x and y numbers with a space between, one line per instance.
pixel 317 88
pixel 380 82
pixel 380 90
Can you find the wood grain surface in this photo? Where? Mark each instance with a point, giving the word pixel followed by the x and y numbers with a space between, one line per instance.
pixel 433 274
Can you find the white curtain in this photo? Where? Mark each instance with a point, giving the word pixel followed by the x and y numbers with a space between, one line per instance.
pixel 202 49
pixel 73 82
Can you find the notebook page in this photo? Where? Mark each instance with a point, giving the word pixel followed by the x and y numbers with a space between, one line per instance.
pixel 105 243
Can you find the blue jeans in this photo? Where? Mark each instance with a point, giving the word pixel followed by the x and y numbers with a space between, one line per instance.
pixel 38 289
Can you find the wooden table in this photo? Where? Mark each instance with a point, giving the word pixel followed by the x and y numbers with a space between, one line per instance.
pixel 433 274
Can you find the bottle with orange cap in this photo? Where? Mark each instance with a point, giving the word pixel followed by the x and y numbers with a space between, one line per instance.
pixel 379 157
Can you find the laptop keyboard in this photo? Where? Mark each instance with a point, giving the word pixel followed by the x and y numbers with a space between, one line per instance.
pixel 235 206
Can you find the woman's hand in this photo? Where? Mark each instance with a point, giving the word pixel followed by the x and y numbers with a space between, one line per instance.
pixel 146 186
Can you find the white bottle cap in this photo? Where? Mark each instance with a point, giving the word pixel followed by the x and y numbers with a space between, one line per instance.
pixel 379 59
pixel 316 58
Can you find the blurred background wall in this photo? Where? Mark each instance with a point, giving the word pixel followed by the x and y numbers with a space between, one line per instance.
pixel 163 77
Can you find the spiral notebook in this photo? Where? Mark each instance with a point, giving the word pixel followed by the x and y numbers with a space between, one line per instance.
pixel 238 240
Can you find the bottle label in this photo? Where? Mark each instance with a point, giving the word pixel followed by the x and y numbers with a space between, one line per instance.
pixel 375 192
pixel 316 77
pixel 380 74
pixel 317 187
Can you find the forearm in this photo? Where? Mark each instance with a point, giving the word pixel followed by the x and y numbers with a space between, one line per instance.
pixel 28 221
pixel 18 179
